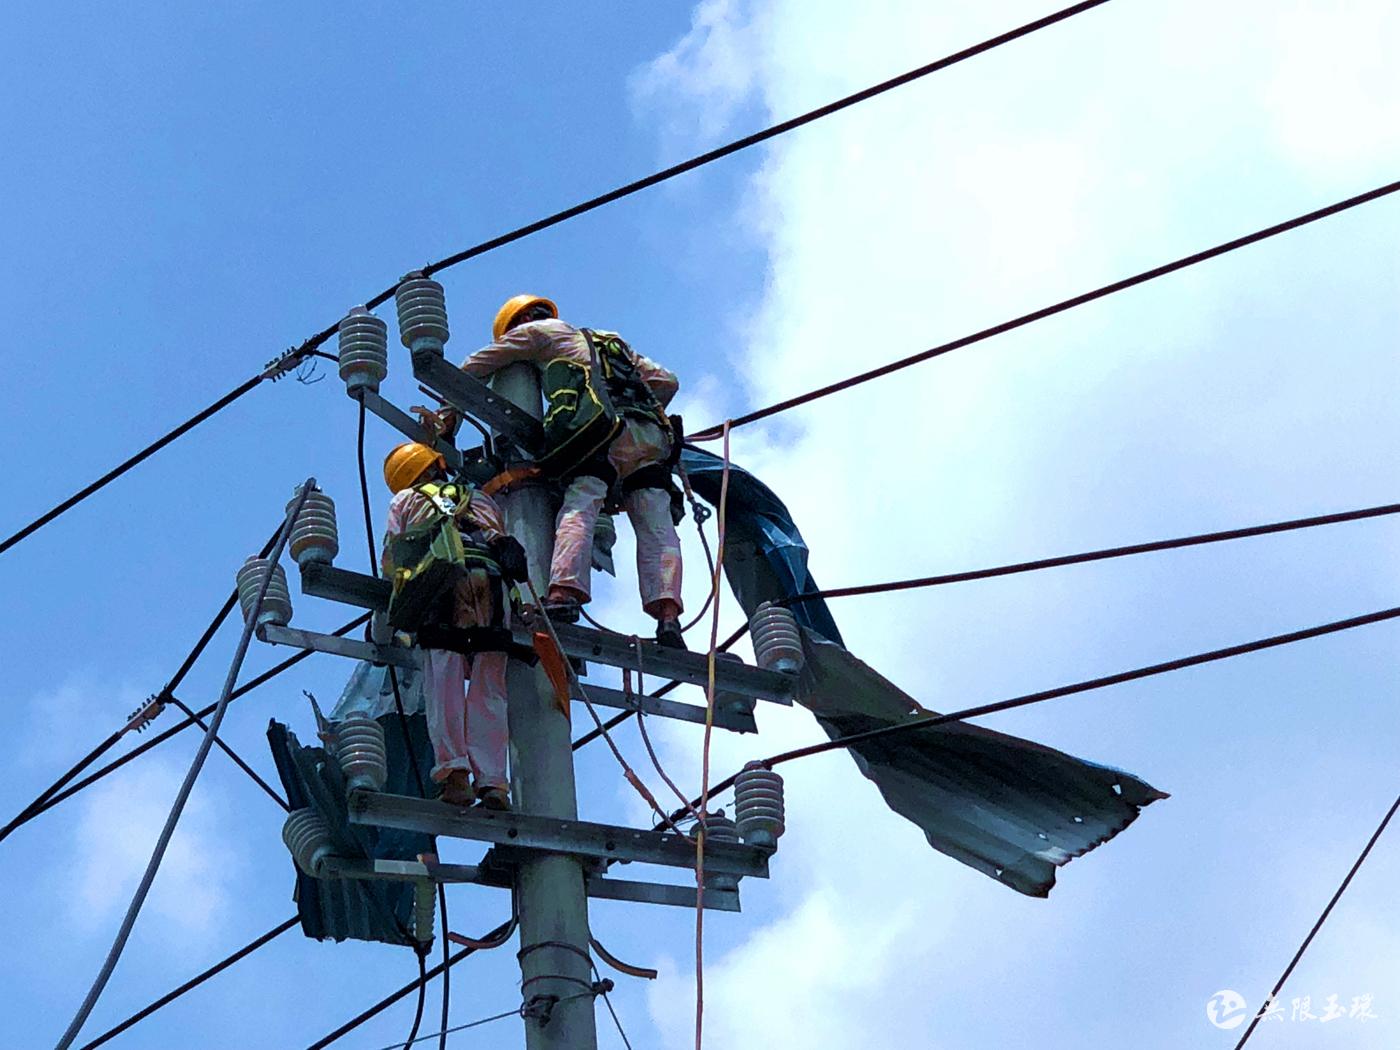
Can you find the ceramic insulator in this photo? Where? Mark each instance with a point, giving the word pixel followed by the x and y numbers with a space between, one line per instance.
pixel 777 643
pixel 719 828
pixel 364 350
pixel 277 605
pixel 422 313
pixel 360 749
pixel 315 537
pixel 424 908
pixel 308 840
pixel 758 806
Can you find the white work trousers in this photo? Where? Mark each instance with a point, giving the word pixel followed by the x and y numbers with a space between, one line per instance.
pixel 658 547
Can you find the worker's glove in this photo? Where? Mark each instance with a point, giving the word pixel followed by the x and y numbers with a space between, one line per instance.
pixel 510 556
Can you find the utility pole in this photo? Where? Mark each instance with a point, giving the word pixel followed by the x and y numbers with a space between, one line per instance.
pixel 554 934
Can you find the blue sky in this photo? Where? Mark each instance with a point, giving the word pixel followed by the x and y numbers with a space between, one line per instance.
pixel 189 192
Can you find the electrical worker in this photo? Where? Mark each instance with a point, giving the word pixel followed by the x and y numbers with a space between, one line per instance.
pixel 467 726
pixel 606 433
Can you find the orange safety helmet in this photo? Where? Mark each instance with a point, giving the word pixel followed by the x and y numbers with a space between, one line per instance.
pixel 403 465
pixel 507 314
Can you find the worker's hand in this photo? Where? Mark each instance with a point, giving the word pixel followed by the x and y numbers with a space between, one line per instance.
pixel 510 556
pixel 440 422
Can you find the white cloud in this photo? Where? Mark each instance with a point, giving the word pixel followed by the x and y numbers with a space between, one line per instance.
pixel 1117 141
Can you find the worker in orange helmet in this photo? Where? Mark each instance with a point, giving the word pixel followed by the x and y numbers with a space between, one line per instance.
pixel 467 727
pixel 631 458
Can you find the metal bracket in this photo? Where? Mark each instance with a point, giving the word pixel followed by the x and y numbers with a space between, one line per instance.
pixel 397 655
pixel 472 396
pixel 577 837
pixel 341 585
pixel 406 425
pixel 737 721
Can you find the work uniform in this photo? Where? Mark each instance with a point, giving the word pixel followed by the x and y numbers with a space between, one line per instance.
pixel 467 726
pixel 641 443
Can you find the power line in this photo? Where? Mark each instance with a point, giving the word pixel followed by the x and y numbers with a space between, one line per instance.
pixel 182 796
pixel 192 983
pixel 293 357
pixel 1098 555
pixel 713 432
pixel 442 1035
pixel 1320 920
pixel 1068 690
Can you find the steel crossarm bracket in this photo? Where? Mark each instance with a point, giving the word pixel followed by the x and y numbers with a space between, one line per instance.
pixel 578 837
pixel 597 886
pixel 341 585
pixel 731 676
pixel 397 655
pixel 407 425
pixel 472 396
pixel 735 721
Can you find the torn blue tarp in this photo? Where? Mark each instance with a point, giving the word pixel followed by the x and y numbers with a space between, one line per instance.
pixel 362 909
pixel 1010 808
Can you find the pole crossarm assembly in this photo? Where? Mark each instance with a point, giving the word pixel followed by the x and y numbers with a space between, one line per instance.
pixel 470 395
pixel 407 425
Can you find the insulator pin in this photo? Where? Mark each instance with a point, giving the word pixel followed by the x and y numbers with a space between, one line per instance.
pixel 361 752
pixel 758 806
pixel 364 350
pixel 777 643
pixel 719 828
pixel 308 840
pixel 277 604
pixel 422 310
pixel 315 537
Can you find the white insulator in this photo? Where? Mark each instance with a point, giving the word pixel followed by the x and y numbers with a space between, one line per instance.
pixel 360 750
pixel 777 643
pixel 758 805
pixel 719 828
pixel 424 908
pixel 315 537
pixel 422 310
pixel 364 350
pixel 277 604
pixel 308 840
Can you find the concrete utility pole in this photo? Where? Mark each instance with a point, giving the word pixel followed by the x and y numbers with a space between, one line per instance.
pixel 554 935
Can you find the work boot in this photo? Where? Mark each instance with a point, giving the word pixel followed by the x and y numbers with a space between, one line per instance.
pixel 457 790
pixel 564 609
pixel 494 798
pixel 668 634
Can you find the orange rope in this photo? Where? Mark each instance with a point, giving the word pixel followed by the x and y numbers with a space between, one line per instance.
pixel 705 754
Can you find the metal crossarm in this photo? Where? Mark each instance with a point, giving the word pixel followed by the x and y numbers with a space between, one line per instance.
pixel 407 425
pixel 470 395
pixel 397 655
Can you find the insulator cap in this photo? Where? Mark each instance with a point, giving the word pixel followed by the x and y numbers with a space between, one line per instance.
pixel 364 350
pixel 315 537
pixel 777 643
pixel 422 313
pixel 361 752
pixel 308 840
pixel 758 806
pixel 277 604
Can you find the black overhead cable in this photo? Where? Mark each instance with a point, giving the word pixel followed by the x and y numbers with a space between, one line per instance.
pixel 1099 555
pixel 187 785
pixel 1288 970
pixel 234 756
pixel 393 997
pixel 422 1000
pixel 193 982
pixel 1049 311
pixel 136 752
pixel 1066 690
pixel 310 346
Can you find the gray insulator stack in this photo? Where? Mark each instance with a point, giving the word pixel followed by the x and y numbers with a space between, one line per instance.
pixel 422 313
pixel 277 605
pixel 359 747
pixel 308 840
pixel 758 806
pixel 719 828
pixel 315 537
pixel 777 643
pixel 424 908
pixel 364 350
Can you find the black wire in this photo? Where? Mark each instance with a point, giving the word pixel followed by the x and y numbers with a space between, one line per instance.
pixel 193 982
pixel 234 755
pixel 1050 311
pixel 1288 970
pixel 364 493
pixel 1099 555
pixel 446 968
pixel 422 996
